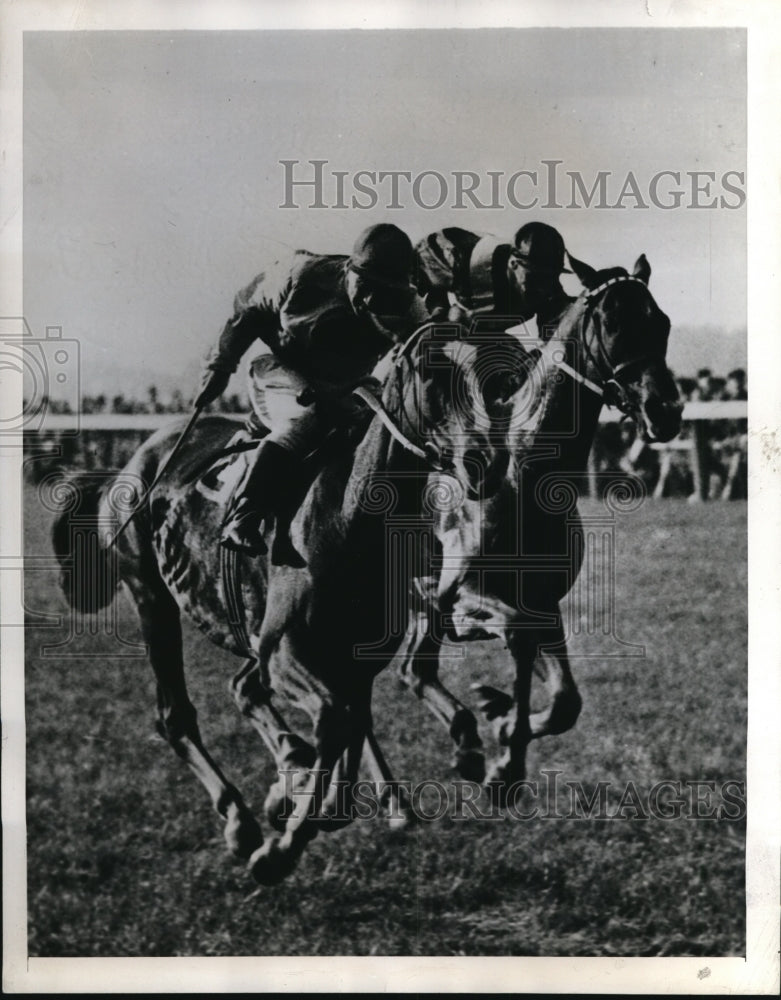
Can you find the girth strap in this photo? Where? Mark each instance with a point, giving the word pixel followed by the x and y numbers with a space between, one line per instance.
pixel 231 587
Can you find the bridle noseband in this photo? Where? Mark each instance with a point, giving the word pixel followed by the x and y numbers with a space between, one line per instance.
pixel 611 390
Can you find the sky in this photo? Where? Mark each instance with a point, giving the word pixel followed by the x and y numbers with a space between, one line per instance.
pixel 153 176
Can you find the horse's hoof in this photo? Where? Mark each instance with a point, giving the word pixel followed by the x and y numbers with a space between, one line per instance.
pixel 270 864
pixel 470 765
pixel 243 834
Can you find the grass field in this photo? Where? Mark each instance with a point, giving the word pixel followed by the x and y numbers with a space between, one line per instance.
pixel 125 856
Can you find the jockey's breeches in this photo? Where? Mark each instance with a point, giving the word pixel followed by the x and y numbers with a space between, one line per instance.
pixel 273 391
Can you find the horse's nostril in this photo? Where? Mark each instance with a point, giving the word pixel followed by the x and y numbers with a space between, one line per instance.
pixel 663 418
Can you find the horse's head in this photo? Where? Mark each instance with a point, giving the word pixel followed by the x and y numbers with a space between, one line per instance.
pixel 460 387
pixel 624 337
pixel 453 391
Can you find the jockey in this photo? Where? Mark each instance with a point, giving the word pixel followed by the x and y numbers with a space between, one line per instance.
pixel 481 276
pixel 327 321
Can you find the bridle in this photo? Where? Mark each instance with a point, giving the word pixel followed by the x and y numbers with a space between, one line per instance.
pixel 610 389
pixel 428 452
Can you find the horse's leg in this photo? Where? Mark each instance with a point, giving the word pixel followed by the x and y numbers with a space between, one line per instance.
pixel 510 716
pixel 278 857
pixel 337 729
pixel 552 666
pixel 294 757
pixel 393 797
pixel 337 807
pixel 418 664
pixel 161 627
pixel 291 753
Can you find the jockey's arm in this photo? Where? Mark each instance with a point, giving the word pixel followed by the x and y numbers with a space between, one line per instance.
pixel 256 311
pixel 255 316
pixel 237 337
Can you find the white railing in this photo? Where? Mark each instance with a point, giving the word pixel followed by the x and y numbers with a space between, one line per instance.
pixel 696 445
pixel 727 409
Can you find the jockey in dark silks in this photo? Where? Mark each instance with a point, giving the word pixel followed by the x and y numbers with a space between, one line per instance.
pixel 459 273
pixel 327 321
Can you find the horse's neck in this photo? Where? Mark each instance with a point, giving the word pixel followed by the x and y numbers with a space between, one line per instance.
pixel 556 415
pixel 348 495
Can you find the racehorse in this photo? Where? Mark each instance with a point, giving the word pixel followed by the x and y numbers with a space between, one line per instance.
pixel 300 631
pixel 513 548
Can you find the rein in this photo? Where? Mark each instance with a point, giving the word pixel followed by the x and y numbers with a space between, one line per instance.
pixel 429 452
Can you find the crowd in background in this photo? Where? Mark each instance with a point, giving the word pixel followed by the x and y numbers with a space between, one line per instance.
pixel 666 471
pixel 707 386
pixel 708 460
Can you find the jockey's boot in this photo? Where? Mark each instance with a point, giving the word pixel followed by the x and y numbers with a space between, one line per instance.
pixel 266 481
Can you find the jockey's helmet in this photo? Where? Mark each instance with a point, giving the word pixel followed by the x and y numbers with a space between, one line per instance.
pixel 539 247
pixel 383 255
pixel 379 276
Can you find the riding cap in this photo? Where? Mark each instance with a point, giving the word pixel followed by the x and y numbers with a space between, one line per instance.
pixel 383 254
pixel 540 248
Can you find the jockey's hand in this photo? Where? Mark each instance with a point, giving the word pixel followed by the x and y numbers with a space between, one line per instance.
pixel 214 385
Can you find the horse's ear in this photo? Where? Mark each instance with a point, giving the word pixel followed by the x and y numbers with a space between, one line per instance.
pixel 642 269
pixel 586 275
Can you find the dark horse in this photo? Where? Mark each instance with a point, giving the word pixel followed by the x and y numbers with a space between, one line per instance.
pixel 513 551
pixel 317 636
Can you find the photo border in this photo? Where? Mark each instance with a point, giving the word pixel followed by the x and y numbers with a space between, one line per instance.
pixel 759 972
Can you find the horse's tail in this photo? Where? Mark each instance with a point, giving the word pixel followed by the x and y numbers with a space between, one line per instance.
pixel 88 566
